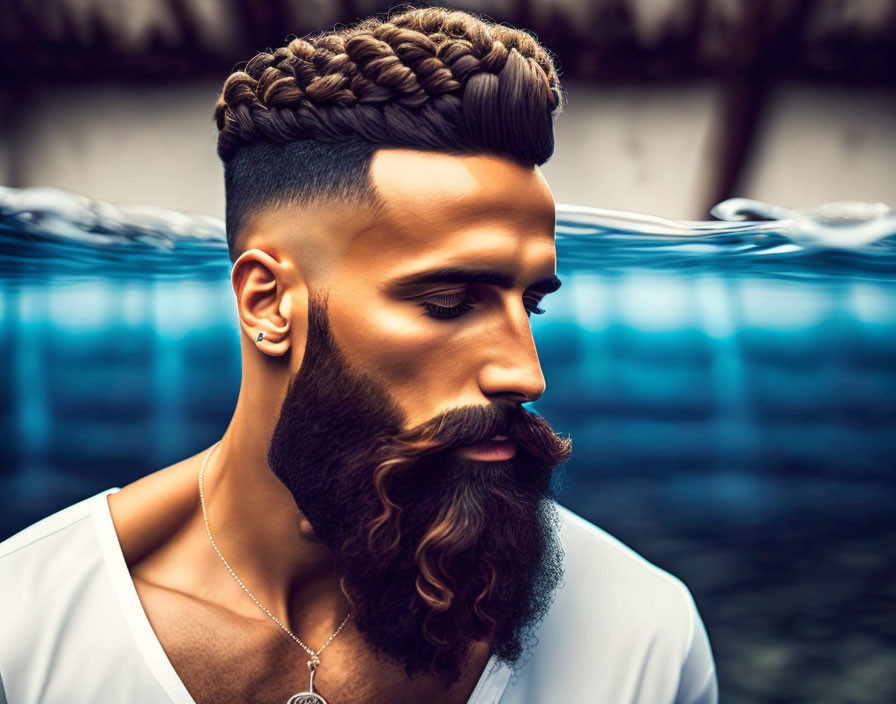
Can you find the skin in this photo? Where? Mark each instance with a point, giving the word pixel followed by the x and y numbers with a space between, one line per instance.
pixel 479 212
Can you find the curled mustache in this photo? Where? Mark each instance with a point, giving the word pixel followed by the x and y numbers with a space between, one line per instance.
pixel 456 546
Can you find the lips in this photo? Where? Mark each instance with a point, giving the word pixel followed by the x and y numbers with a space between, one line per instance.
pixel 498 447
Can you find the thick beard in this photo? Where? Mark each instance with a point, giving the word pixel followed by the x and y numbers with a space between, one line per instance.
pixel 433 551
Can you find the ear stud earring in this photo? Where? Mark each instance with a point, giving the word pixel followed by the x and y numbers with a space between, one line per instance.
pixel 260 337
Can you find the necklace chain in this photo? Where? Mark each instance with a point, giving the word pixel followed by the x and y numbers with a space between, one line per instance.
pixel 314 655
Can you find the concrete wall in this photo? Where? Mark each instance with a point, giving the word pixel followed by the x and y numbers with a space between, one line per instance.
pixel 641 148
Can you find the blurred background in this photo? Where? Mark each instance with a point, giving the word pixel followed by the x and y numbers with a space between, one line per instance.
pixel 732 397
pixel 674 105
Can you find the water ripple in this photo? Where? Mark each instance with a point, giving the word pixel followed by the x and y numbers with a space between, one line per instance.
pixel 45 232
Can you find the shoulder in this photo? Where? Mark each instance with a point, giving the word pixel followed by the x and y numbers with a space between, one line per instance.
pixel 617 618
pixel 47 535
pixel 64 591
pixel 605 571
pixel 39 563
pixel 46 572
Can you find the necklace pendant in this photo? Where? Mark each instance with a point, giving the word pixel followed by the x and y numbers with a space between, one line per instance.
pixel 309 697
pixel 306 698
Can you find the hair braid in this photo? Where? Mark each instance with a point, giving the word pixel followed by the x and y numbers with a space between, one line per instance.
pixel 302 121
pixel 409 62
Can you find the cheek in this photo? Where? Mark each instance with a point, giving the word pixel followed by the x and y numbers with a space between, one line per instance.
pixel 414 357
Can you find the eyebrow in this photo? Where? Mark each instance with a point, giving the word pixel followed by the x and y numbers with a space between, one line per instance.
pixel 454 275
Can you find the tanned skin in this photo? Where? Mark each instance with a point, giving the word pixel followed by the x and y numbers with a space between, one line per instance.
pixel 481 212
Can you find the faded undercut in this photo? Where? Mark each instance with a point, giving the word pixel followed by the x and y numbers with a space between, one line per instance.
pixel 300 124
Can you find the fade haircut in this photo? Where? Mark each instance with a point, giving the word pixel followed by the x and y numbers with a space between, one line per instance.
pixel 300 124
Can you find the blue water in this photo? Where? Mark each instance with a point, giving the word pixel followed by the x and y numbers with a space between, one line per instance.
pixel 730 388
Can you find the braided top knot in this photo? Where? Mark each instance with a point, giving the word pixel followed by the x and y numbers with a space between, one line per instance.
pixel 427 78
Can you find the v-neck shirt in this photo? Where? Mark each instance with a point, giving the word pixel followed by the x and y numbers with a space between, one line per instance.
pixel 73 629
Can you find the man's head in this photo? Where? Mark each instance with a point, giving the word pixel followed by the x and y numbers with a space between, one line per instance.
pixel 391 235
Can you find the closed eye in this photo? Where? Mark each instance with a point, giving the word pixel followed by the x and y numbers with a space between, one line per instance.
pixel 455 306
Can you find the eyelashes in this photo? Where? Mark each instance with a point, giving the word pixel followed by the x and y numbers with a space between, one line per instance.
pixel 447 312
pixel 437 311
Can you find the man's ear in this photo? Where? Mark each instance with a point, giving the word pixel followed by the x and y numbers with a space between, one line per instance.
pixel 268 292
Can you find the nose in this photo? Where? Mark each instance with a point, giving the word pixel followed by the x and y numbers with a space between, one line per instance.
pixel 512 370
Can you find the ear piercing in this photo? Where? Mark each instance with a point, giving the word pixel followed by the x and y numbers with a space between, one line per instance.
pixel 260 337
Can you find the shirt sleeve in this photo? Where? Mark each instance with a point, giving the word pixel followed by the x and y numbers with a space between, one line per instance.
pixel 698 683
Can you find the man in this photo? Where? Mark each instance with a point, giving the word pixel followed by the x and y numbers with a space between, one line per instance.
pixel 377 523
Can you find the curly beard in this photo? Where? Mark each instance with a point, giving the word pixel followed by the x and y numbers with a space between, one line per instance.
pixel 434 551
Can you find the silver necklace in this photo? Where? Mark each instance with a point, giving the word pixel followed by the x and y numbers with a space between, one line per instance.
pixel 309 697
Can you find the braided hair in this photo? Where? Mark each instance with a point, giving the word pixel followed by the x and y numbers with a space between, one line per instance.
pixel 304 120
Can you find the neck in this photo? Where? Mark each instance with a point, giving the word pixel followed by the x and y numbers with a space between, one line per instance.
pixel 264 537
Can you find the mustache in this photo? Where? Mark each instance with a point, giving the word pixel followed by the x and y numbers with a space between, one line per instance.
pixel 474 424
pixel 399 453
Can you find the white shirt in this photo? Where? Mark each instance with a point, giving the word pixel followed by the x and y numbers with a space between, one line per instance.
pixel 73 630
